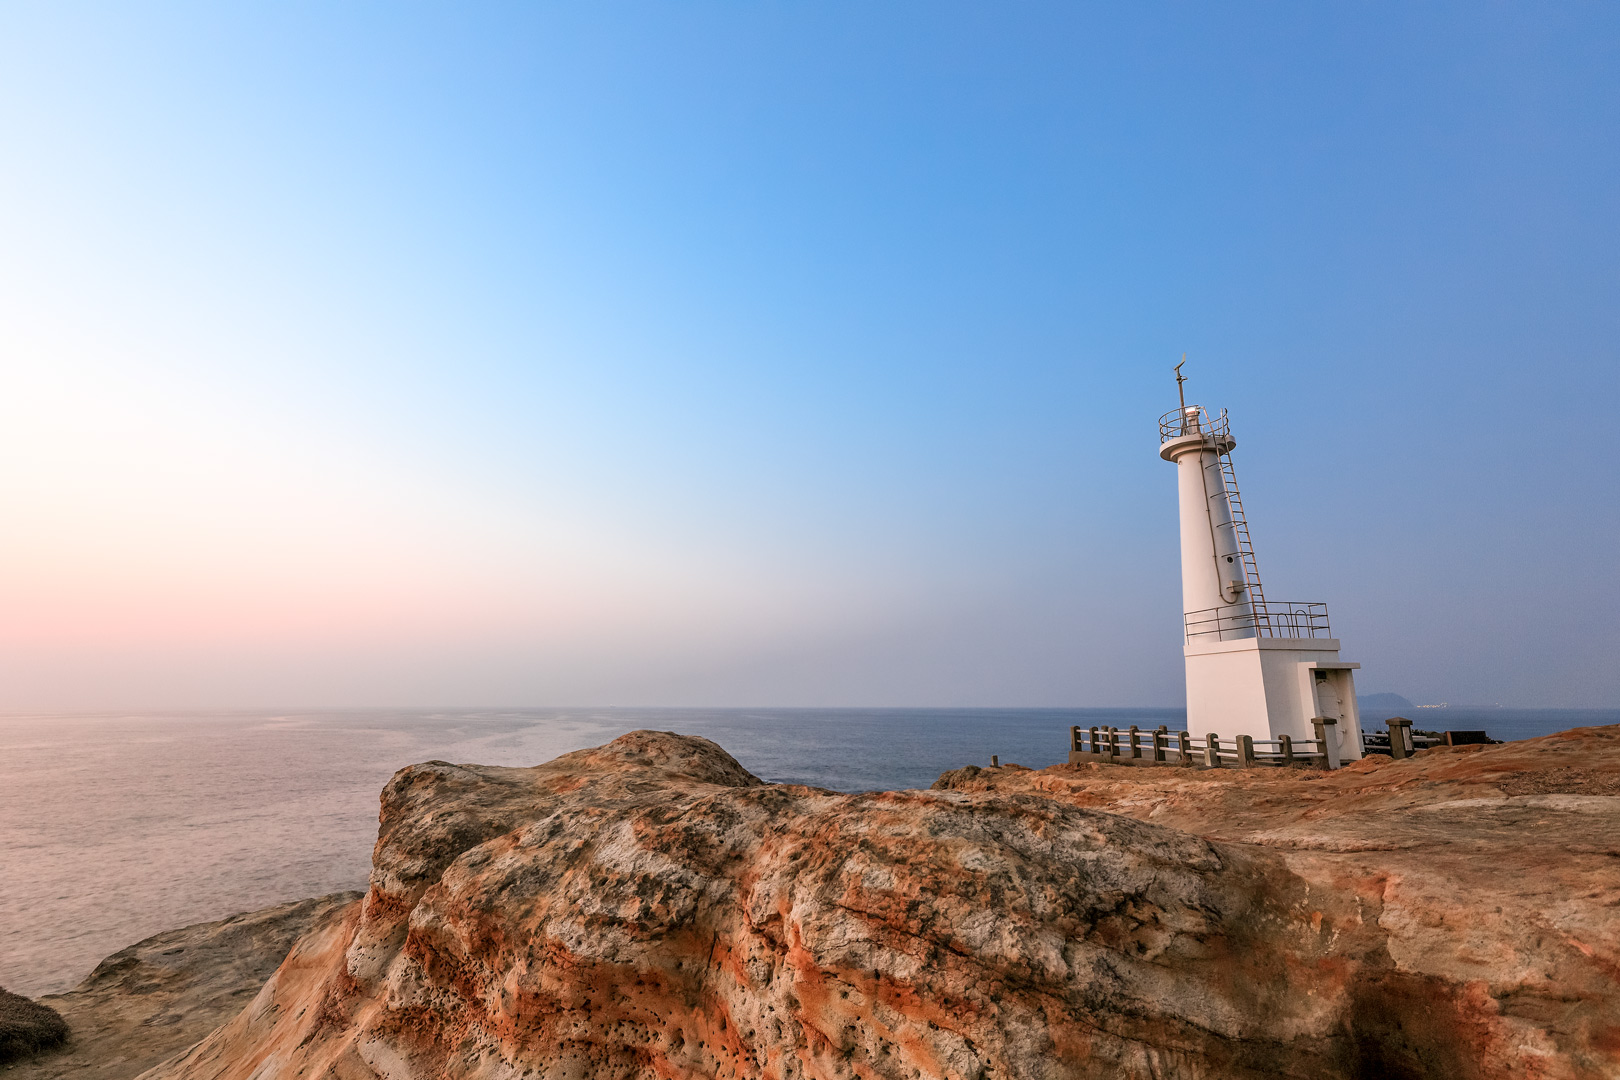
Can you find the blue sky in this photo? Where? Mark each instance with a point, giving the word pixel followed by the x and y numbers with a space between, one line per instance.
pixel 791 354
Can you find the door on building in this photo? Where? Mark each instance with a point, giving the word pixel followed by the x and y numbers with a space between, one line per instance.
pixel 1329 705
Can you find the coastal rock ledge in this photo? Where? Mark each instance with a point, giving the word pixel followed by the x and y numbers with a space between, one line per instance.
pixel 650 909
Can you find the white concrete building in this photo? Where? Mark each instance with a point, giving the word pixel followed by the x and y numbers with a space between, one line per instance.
pixel 1254 667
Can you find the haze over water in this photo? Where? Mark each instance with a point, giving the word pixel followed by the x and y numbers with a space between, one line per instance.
pixel 803 353
pixel 115 826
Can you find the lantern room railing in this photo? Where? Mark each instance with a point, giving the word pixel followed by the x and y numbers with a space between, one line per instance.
pixel 1193 420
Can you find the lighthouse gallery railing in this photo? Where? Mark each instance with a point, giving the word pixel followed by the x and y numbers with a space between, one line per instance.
pixel 1193 420
pixel 1271 619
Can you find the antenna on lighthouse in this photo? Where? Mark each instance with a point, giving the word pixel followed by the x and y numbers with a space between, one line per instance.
pixel 1180 378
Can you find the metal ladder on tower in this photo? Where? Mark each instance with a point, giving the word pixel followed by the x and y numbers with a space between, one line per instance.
pixel 1240 528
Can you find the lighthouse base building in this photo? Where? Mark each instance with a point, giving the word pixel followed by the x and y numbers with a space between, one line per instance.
pixel 1265 687
pixel 1255 667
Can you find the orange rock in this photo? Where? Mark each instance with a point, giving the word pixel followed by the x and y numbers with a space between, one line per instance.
pixel 649 909
pixel 1494 871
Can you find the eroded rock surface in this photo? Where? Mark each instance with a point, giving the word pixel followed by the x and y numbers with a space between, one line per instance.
pixel 649 909
pixel 1491 873
pixel 27 1027
pixel 156 998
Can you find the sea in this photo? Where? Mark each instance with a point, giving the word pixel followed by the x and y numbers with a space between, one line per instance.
pixel 115 826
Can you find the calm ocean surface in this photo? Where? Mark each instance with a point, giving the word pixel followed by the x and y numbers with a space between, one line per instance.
pixel 116 826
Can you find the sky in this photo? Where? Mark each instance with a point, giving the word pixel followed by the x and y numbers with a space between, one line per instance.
pixel 795 354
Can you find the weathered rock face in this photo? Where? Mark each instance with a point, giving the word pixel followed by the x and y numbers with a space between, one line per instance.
pixel 156 998
pixel 648 908
pixel 1491 875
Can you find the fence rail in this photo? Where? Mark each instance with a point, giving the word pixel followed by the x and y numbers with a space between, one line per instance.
pixel 1161 746
pixel 1133 746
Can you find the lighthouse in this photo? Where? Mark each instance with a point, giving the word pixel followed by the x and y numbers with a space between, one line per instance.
pixel 1255 667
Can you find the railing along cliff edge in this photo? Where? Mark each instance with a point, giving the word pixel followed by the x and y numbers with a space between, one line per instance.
pixel 1161 746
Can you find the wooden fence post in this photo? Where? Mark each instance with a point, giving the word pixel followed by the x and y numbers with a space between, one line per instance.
pixel 1184 747
pixel 1212 751
pixel 1286 744
pixel 1245 748
pixel 1327 743
pixel 1400 737
pixel 1136 746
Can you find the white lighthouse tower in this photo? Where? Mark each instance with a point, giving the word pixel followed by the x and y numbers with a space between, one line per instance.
pixel 1254 667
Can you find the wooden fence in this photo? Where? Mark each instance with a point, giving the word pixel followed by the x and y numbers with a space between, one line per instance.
pixel 1161 746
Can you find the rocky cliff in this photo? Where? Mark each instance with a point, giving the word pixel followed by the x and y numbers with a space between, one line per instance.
pixel 1491 875
pixel 649 909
